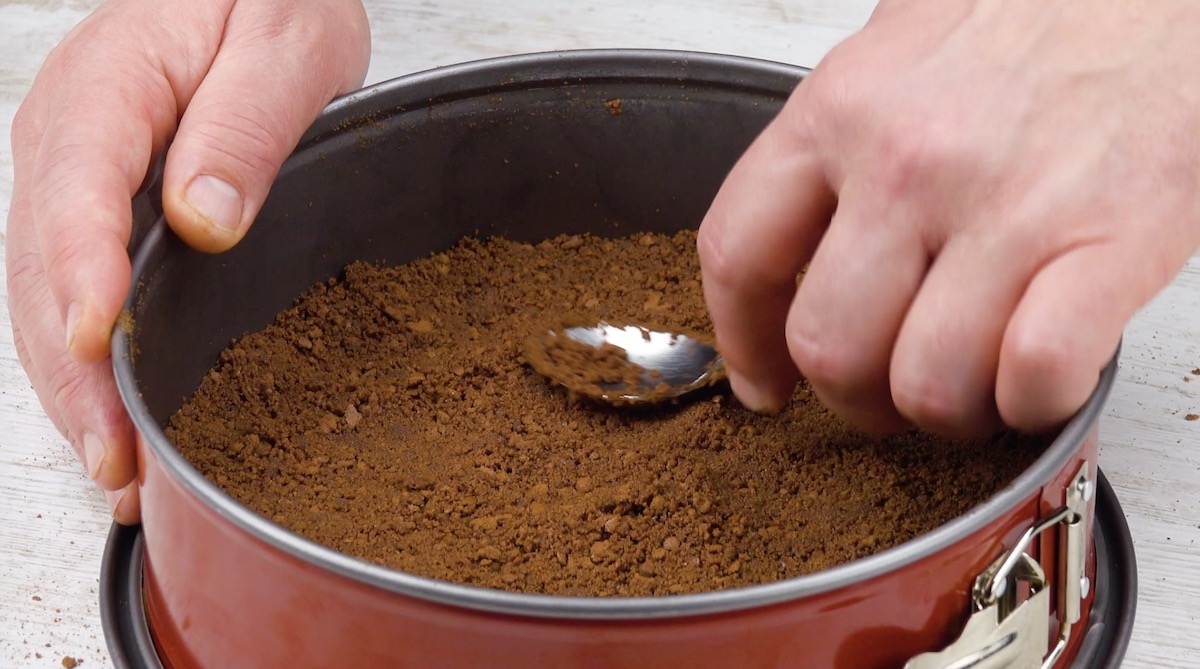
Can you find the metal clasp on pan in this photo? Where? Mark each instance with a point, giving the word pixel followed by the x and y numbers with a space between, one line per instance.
pixel 1005 632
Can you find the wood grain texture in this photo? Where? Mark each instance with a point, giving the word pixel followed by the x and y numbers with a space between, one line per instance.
pixel 53 523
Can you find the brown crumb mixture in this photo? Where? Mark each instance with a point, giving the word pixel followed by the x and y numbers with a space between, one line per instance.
pixel 579 354
pixel 582 368
pixel 391 416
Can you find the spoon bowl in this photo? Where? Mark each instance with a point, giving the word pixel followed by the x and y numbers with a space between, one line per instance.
pixel 626 364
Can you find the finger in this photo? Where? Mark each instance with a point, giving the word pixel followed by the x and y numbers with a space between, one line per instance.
pixel 943 369
pixel 1068 324
pixel 759 232
pixel 92 157
pixel 125 504
pixel 80 397
pixel 31 371
pixel 84 223
pixel 85 404
pixel 261 93
pixel 851 304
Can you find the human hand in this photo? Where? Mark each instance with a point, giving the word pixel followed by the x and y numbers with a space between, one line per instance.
pixel 235 84
pixel 987 191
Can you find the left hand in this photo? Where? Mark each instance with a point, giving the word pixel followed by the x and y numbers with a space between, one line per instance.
pixel 232 84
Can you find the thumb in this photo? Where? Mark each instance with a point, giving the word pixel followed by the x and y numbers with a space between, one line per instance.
pixel 274 72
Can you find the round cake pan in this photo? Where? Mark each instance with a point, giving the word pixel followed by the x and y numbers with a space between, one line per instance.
pixel 531 147
pixel 131 645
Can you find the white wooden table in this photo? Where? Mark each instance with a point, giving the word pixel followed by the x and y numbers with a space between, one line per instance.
pixel 53 522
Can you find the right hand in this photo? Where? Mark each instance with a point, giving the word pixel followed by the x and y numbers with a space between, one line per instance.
pixel 984 193
pixel 235 84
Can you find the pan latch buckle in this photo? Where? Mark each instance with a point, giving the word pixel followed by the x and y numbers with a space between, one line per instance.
pixel 1009 623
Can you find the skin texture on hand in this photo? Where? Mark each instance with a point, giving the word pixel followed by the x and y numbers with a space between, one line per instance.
pixel 231 85
pixel 984 194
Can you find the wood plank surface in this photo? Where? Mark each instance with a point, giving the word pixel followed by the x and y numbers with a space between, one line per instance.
pixel 53 523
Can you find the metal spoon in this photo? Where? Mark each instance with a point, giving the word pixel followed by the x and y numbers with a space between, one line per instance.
pixel 638 365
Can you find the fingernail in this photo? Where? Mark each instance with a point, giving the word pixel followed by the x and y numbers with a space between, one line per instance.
pixel 216 201
pixel 750 395
pixel 114 499
pixel 93 454
pixel 74 309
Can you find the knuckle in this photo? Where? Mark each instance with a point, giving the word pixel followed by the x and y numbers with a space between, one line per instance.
pixel 931 404
pixel 900 144
pixel 832 80
pixel 28 291
pixel 725 261
pixel 243 142
pixel 1032 357
pixel 63 182
pixel 828 94
pixel 837 92
pixel 317 33
pixel 827 365
pixel 68 252
pixel 911 155
pixel 27 126
pixel 57 169
pixel 69 242
pixel 308 32
pixel 68 387
pixel 67 56
pixel 25 276
pixel 715 262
